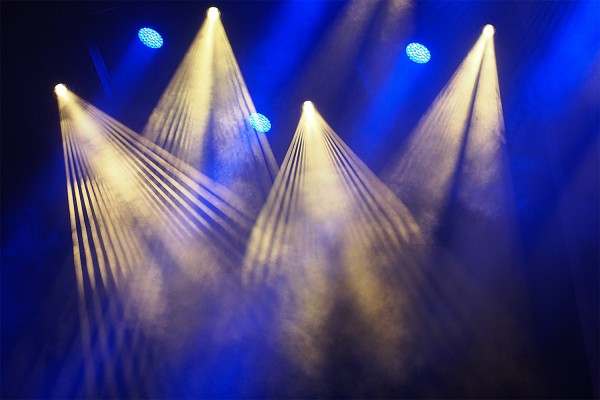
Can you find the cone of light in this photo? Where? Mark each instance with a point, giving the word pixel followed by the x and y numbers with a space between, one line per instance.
pixel 202 118
pixel 137 213
pixel 462 124
pixel 330 229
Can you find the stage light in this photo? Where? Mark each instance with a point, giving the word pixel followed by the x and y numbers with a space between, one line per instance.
pixel 150 38
pixel 489 30
pixel 213 13
pixel 260 122
pixel 418 53
pixel 60 89
pixel 308 107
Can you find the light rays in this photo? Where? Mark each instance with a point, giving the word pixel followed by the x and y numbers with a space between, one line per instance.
pixel 460 135
pixel 149 234
pixel 339 49
pixel 202 118
pixel 451 174
pixel 330 230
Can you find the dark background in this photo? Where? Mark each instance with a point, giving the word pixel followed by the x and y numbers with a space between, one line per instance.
pixel 548 65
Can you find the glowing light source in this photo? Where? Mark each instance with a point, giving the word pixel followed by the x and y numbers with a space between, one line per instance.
pixel 260 122
pixel 489 30
pixel 308 107
pixel 60 89
pixel 213 13
pixel 418 53
pixel 150 38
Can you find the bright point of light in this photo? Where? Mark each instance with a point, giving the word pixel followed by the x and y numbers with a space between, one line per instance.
pixel 308 106
pixel 150 38
pixel 213 13
pixel 260 122
pixel 60 89
pixel 418 53
pixel 489 30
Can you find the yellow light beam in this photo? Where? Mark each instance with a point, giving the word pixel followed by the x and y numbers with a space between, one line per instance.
pixel 202 118
pixel 422 172
pixel 319 233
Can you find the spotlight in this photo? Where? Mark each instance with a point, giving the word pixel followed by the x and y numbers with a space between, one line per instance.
pixel 418 53
pixel 489 30
pixel 308 107
pixel 260 122
pixel 213 13
pixel 60 89
pixel 150 38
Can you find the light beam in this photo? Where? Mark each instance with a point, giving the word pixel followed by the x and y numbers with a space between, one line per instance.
pixel 460 133
pixel 149 233
pixel 330 230
pixel 202 118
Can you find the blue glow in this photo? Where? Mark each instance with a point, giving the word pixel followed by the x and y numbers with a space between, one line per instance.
pixel 150 38
pixel 418 53
pixel 260 122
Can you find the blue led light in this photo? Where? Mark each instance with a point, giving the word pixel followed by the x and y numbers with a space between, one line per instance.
pixel 150 38
pixel 260 122
pixel 418 53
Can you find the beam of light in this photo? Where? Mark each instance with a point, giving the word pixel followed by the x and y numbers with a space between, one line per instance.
pixel 285 43
pixel 463 126
pixel 484 179
pixel 329 66
pixel 452 175
pixel 331 234
pixel 150 233
pixel 150 38
pixel 418 53
pixel 387 43
pixel 100 66
pixel 202 118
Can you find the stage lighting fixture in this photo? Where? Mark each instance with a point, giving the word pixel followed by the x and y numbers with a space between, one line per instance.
pixel 260 122
pixel 489 30
pixel 60 89
pixel 308 107
pixel 213 13
pixel 418 53
pixel 150 38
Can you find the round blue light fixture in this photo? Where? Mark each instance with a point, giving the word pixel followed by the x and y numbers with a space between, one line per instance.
pixel 418 53
pixel 260 122
pixel 150 38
